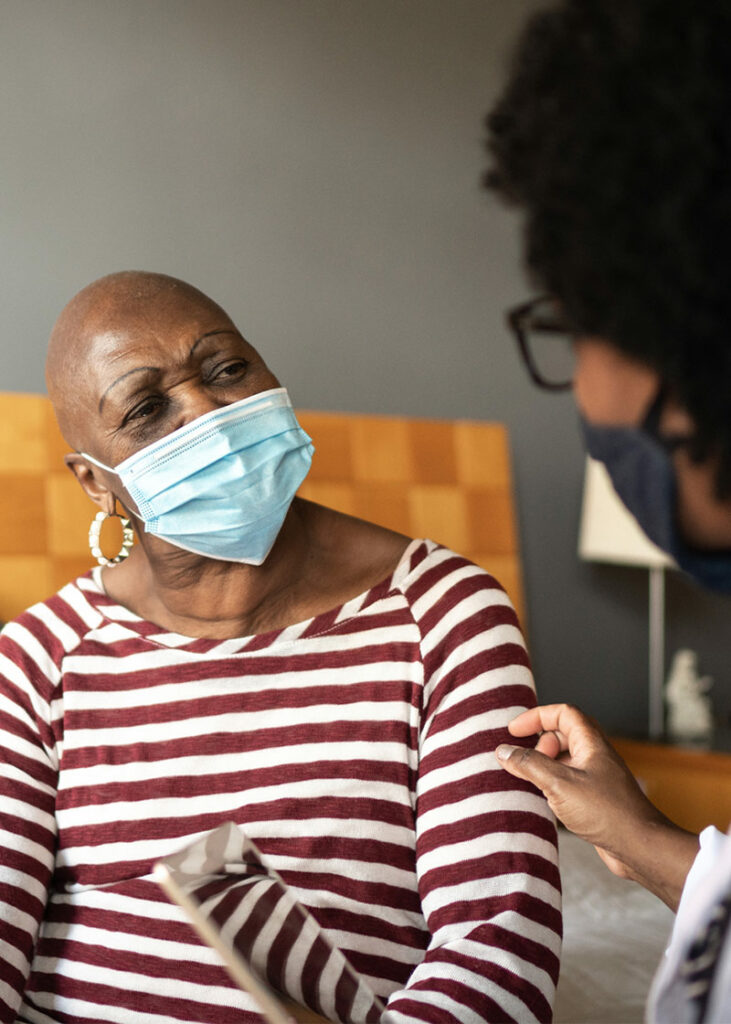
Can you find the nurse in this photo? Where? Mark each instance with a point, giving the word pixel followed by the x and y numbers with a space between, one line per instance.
pixel 613 137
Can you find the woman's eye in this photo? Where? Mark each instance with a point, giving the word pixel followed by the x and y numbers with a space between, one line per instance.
pixel 229 371
pixel 145 409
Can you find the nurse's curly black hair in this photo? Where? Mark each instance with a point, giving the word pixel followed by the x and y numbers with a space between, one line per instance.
pixel 613 134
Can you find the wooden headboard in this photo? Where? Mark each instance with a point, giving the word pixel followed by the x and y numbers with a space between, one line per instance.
pixel 450 481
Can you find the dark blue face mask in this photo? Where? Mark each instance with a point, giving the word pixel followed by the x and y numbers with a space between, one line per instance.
pixel 638 460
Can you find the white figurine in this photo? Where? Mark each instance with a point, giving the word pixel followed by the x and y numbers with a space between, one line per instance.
pixel 689 707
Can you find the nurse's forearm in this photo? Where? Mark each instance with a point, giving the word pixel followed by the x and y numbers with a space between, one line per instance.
pixel 659 856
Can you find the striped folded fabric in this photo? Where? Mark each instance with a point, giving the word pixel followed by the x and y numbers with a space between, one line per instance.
pixel 245 910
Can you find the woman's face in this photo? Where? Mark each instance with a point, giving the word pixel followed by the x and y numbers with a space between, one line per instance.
pixel 155 377
pixel 142 372
pixel 610 388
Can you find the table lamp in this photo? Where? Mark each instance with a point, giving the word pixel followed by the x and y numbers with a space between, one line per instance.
pixel 609 533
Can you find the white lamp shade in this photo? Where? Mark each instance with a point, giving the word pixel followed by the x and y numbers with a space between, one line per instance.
pixel 608 532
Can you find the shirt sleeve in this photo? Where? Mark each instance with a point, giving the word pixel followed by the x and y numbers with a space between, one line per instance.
pixel 28 774
pixel 712 843
pixel 673 996
pixel 486 845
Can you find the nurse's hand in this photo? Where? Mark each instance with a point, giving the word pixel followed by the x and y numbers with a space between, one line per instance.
pixel 593 793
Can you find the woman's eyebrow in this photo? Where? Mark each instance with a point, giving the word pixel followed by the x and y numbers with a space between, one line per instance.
pixel 146 369
pixel 210 334
pixel 137 369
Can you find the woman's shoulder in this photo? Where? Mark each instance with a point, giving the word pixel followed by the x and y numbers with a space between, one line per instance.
pixel 53 626
pixel 369 553
pixel 352 554
pixel 432 572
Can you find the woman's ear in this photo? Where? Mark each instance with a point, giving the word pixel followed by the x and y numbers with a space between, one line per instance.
pixel 90 479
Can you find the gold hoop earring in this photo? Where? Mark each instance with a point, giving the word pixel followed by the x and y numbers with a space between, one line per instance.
pixel 128 538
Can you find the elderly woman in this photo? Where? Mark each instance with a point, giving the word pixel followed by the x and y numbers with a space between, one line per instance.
pixel 332 687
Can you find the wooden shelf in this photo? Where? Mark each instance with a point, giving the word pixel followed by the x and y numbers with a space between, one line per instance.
pixel 692 787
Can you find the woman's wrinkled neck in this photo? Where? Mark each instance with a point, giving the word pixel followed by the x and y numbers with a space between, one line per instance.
pixel 203 597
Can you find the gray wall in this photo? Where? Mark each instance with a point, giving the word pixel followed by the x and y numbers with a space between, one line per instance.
pixel 314 165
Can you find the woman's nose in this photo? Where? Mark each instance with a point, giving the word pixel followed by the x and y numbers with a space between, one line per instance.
pixel 196 403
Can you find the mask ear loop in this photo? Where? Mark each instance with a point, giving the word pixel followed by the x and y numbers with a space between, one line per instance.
pixel 651 424
pixel 128 537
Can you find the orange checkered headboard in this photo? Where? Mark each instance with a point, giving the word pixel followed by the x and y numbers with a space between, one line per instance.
pixel 450 481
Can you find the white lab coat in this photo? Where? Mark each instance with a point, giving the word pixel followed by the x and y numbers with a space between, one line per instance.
pixel 708 882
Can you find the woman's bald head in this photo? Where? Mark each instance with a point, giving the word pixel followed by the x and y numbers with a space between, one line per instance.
pixel 106 315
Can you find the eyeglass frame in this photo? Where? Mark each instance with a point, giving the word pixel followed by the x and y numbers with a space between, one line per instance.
pixel 515 317
pixel 651 421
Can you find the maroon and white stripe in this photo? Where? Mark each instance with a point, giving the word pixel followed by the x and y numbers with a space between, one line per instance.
pixel 355 749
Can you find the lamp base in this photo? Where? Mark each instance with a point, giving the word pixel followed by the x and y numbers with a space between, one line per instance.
pixel 656 721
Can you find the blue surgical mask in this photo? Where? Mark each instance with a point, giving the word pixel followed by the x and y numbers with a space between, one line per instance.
pixel 221 485
pixel 639 463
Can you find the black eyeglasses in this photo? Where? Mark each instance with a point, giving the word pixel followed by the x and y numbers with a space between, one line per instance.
pixel 545 342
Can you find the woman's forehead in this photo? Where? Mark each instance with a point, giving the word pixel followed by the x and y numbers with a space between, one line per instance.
pixel 154 355
pixel 114 321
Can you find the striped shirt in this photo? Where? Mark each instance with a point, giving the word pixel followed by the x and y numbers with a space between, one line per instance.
pixel 356 749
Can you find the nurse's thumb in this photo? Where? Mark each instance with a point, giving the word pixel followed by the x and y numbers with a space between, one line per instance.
pixel 529 764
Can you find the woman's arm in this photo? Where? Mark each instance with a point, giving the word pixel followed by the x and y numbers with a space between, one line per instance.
pixel 27 801
pixel 486 848
pixel 592 791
